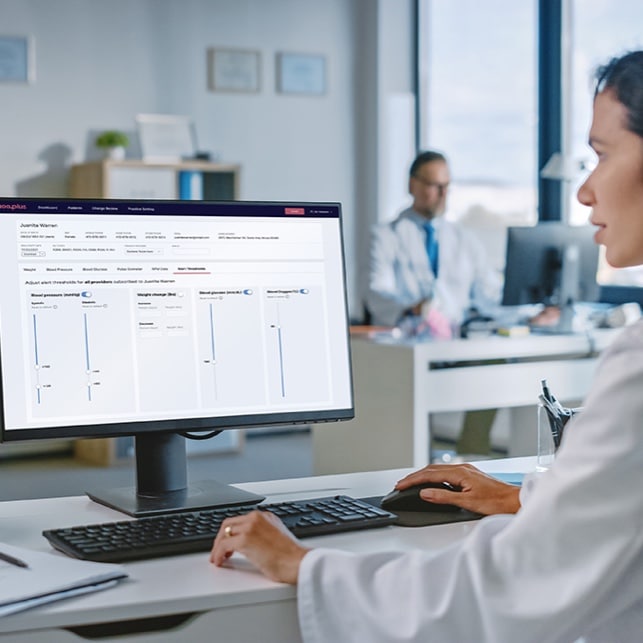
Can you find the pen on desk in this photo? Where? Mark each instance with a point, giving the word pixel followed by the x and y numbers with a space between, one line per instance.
pixel 13 560
pixel 554 419
pixel 546 392
pixel 549 396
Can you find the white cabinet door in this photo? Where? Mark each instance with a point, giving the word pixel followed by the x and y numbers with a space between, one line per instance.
pixel 142 183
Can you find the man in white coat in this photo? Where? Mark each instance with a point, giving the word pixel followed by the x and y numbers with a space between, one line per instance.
pixel 429 273
pixel 421 259
pixel 569 563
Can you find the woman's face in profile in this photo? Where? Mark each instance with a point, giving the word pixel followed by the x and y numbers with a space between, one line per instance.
pixel 614 190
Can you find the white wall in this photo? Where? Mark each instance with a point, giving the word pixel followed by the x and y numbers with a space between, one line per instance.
pixel 99 63
pixel 385 127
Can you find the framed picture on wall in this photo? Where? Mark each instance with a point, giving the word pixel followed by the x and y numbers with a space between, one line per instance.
pixel 301 74
pixel 16 59
pixel 233 70
pixel 166 138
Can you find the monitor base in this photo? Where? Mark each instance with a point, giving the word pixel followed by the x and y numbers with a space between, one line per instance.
pixel 565 326
pixel 200 495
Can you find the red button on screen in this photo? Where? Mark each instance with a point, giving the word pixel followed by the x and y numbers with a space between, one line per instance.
pixel 294 210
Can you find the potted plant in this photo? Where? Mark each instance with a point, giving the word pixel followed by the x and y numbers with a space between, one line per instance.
pixel 114 143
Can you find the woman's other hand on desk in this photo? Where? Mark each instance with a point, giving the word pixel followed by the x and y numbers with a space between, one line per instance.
pixel 479 492
pixel 264 540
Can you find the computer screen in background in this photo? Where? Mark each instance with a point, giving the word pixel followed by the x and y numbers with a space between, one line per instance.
pixel 552 264
pixel 154 318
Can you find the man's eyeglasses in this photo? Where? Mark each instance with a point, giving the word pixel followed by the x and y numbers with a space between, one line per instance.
pixel 441 187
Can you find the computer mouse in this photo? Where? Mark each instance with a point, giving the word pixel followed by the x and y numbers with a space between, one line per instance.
pixel 409 499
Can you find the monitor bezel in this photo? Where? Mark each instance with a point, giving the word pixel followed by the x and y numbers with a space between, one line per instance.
pixel 201 424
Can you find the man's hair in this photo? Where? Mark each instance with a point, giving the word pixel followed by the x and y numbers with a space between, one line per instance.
pixel 426 157
pixel 624 76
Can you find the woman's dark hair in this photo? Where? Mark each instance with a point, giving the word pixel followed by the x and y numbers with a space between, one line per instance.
pixel 624 76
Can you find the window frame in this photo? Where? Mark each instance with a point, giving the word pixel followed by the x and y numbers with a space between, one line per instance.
pixel 552 105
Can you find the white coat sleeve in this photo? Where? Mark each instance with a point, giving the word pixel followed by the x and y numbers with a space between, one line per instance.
pixel 387 299
pixel 569 564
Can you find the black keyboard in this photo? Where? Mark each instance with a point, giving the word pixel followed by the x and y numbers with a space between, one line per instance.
pixel 186 532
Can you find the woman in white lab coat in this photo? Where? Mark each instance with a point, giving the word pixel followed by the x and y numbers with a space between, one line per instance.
pixel 569 563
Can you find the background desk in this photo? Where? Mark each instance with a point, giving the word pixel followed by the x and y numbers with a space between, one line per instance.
pixel 185 597
pixel 398 384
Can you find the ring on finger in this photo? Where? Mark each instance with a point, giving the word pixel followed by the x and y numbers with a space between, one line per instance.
pixel 228 531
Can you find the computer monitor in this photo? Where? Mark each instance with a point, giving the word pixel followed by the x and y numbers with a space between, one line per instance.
pixel 552 264
pixel 161 318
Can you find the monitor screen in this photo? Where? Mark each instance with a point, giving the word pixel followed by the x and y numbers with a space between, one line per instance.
pixel 551 263
pixel 152 318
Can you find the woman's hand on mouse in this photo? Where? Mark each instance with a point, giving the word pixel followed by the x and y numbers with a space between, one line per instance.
pixel 478 492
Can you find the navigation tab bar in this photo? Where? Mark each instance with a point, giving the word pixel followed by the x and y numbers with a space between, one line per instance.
pixel 169 208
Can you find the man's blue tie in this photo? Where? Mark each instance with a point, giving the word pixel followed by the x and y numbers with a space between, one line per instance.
pixel 431 247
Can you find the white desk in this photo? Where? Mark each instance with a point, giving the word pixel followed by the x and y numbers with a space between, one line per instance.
pixel 207 603
pixel 398 384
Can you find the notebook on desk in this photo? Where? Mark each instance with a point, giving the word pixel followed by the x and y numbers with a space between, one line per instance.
pixel 509 478
pixel 31 578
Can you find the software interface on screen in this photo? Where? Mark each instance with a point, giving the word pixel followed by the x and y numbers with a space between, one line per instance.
pixel 114 313
pixel 153 318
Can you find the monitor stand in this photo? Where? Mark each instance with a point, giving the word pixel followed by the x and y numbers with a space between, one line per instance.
pixel 161 474
pixel 564 326
pixel 568 292
pixel 565 323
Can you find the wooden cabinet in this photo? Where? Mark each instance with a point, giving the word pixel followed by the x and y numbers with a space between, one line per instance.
pixel 141 180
